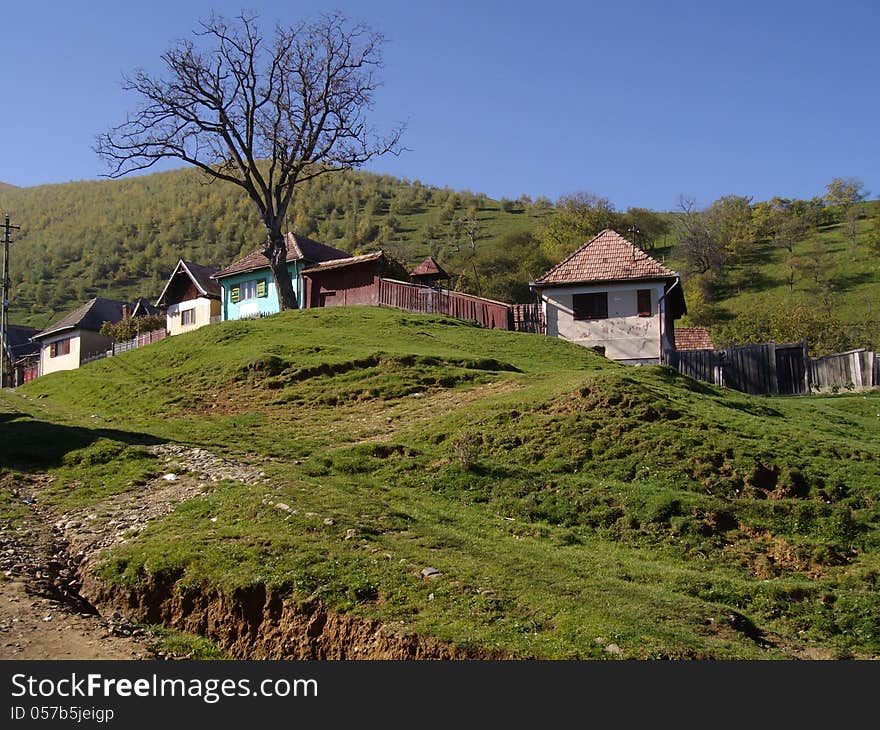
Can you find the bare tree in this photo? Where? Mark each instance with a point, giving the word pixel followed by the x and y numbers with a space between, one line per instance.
pixel 266 113
pixel 699 244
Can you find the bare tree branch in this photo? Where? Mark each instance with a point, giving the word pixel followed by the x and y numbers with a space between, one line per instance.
pixel 266 113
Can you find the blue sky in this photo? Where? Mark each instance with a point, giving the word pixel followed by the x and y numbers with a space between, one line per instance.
pixel 638 102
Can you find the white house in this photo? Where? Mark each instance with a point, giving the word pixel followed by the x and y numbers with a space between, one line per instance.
pixel 190 299
pixel 612 296
pixel 75 338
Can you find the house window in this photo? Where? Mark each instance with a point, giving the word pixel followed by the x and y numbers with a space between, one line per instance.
pixel 248 290
pixel 590 306
pixel 187 316
pixel 59 348
pixel 644 302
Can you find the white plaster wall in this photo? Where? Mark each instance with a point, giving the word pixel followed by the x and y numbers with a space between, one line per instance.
pixel 204 309
pixel 624 334
pixel 69 361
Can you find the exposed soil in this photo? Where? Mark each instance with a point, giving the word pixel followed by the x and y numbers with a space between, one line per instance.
pixel 42 614
pixel 52 605
pixel 37 627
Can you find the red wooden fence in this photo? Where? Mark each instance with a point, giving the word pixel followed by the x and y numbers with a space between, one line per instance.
pixel 427 300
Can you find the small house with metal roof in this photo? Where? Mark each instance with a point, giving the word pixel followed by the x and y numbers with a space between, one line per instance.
pixel 76 338
pixel 190 299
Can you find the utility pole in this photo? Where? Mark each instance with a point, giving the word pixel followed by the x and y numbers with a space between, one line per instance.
pixel 4 309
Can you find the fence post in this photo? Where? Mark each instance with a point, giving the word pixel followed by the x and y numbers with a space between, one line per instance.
pixel 808 375
pixel 774 381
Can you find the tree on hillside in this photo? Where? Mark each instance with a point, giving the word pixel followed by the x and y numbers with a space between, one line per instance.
pixel 264 112
pixel 845 192
pixel 730 218
pixel 646 227
pixel 875 229
pixel 579 217
pixel 851 227
pixel 698 243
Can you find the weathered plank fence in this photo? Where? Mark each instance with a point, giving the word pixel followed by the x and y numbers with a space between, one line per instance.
pixel 853 369
pixel 779 369
pixel 769 368
pixel 529 318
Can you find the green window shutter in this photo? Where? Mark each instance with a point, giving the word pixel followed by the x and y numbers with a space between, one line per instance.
pixel 262 289
pixel 235 294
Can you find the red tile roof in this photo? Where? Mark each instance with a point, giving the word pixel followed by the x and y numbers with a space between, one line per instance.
pixel 606 257
pixel 298 247
pixel 693 338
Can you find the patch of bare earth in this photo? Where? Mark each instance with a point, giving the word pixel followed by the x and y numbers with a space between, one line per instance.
pixel 33 626
pixel 43 559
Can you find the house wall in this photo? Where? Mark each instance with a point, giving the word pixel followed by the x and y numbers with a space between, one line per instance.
pixel 70 361
pixel 182 289
pixel 83 343
pixel 92 343
pixel 343 287
pixel 261 305
pixel 624 334
pixel 205 309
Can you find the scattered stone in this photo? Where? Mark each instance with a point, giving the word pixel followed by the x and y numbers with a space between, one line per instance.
pixel 329 521
pixel 430 596
pixel 170 477
pixel 430 573
pixel 350 533
pixel 213 519
pixel 282 506
pixel 614 650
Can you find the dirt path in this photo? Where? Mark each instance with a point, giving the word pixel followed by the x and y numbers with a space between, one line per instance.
pixel 42 615
pixel 36 627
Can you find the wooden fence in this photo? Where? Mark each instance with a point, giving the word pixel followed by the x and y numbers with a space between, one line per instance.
pixel 147 338
pixel 779 369
pixel 427 300
pixel 529 318
pixel 853 369
pixel 769 368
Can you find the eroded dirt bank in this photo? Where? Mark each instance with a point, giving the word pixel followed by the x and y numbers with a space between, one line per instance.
pixel 255 624
pixel 248 623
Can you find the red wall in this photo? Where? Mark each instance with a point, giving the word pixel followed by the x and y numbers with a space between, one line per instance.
pixel 345 286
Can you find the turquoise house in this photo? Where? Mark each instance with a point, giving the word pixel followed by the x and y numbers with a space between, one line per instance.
pixel 248 288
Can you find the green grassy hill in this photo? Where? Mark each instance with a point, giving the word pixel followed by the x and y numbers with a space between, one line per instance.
pixel 122 238
pixel 826 277
pixel 569 503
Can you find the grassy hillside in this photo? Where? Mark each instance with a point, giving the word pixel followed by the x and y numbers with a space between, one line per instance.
pixel 569 502
pixel 121 238
pixel 826 273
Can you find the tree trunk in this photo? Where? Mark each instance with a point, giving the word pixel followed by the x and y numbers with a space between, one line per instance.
pixel 276 252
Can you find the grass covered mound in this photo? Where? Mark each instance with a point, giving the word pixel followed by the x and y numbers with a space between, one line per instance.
pixel 568 502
